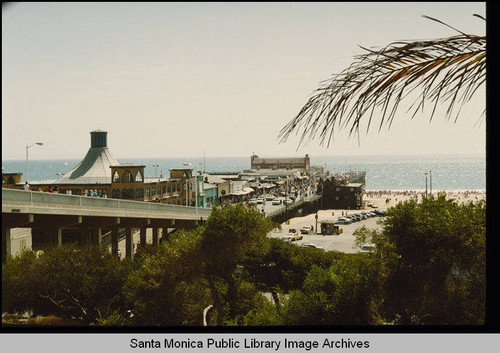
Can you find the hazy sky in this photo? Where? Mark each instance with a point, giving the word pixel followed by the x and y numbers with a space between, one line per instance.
pixel 184 79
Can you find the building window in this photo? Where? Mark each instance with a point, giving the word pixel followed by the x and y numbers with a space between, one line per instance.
pixel 178 187
pixel 115 193
pixel 138 176
pixel 169 188
pixel 127 177
pixel 164 189
pixel 147 192
pixel 158 190
pixel 153 190
pixel 116 177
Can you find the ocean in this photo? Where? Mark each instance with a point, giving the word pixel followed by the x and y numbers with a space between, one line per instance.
pixel 389 172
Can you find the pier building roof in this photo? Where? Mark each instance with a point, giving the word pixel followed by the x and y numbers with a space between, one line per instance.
pixel 95 167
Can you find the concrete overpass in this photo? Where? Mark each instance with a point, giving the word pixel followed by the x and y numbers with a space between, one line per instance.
pixel 51 217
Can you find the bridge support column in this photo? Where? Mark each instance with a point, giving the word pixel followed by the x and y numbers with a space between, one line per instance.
pixel 114 241
pixel 59 237
pixel 155 235
pixel 6 243
pixel 95 236
pixel 143 236
pixel 99 235
pixel 129 239
pixel 164 234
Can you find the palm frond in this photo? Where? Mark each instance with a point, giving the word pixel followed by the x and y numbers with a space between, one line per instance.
pixel 443 70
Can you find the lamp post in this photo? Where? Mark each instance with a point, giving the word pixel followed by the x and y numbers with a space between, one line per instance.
pixel 426 183
pixel 156 170
pixel 27 147
pixel 430 181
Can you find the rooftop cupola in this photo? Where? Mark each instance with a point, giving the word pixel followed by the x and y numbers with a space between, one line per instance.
pixel 98 138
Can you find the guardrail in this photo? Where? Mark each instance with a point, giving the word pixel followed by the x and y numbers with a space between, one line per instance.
pixel 33 197
pixel 282 209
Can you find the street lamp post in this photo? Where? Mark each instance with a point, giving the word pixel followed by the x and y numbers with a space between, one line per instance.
pixel 426 183
pixel 430 180
pixel 27 168
pixel 156 170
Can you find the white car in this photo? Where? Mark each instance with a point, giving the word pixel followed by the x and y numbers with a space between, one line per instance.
pixel 288 202
pixel 343 220
pixel 276 202
pixel 368 248
pixel 310 245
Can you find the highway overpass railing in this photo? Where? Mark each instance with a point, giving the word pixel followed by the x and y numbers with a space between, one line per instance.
pixel 37 197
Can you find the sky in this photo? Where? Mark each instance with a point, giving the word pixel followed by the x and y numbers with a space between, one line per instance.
pixel 169 80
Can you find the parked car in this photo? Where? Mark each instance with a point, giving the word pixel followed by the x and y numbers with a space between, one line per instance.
pixel 260 201
pixel 343 220
pixel 294 237
pixel 310 245
pixel 288 202
pixel 276 202
pixel 253 201
pixel 269 198
pixel 352 218
pixel 358 216
pixel 368 248
pixel 306 230
pixel 381 212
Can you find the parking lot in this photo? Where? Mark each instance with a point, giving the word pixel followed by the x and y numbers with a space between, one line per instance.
pixel 343 242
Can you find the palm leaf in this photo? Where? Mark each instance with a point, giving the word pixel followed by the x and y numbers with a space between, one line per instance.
pixel 443 70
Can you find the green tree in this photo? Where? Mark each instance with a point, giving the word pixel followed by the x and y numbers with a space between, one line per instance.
pixel 69 282
pixel 228 235
pixel 433 256
pixel 444 70
pixel 167 289
pixel 284 267
pixel 341 294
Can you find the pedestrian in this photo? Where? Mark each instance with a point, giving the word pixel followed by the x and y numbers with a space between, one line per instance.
pixel 95 194
pixel 56 190
pixel 26 186
pixel 50 189
pixel 119 254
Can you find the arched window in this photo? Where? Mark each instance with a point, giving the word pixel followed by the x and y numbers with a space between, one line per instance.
pixel 116 177
pixel 127 177
pixel 139 176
